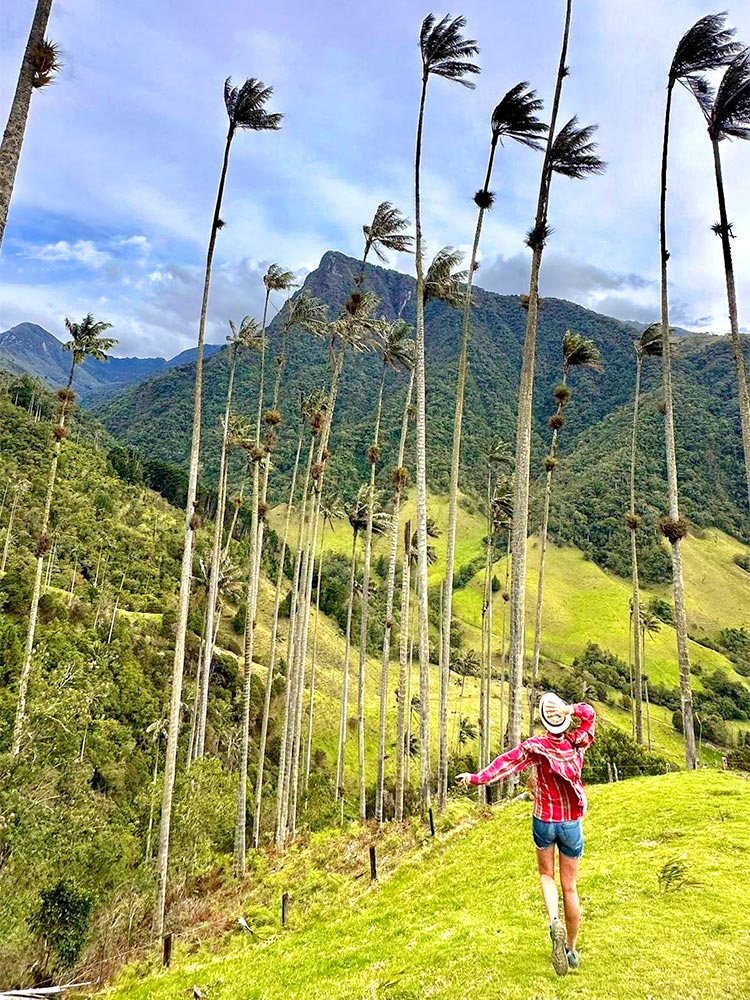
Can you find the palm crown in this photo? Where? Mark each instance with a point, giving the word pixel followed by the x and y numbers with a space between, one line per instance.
pixel 276 279
pixel 649 344
pixel 515 117
pixel 308 313
pixel 580 352
pixel 245 106
pixel 248 334
pixel 729 115
pixel 442 280
pixel 445 52
pixel 398 347
pixel 706 46
pixel 87 340
pixel 357 512
pixel 386 232
pixel 573 152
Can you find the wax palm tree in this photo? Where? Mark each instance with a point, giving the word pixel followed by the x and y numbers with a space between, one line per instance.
pixel 86 341
pixel 575 144
pixel 357 515
pixel 22 486
pixel 648 345
pixel 245 107
pixel 397 353
pixel 577 352
pixel 38 69
pixel 728 117
pixel 514 118
pixel 706 46
pixel 331 510
pixel 249 336
pixel 446 53
pixel 276 279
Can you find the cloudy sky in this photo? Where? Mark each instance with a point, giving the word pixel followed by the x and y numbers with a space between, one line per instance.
pixel 119 169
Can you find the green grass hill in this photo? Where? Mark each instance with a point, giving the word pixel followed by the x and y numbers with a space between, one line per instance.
pixel 663 886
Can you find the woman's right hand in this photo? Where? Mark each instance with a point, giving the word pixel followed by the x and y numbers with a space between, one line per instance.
pixel 464 779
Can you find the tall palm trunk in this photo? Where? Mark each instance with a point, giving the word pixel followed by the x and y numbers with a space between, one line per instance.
pixel 421 475
pixel 674 508
pixel 240 829
pixel 365 605
pixel 191 524
pixel 404 698
pixel 9 529
pixel 42 545
pixel 390 591
pixel 15 129
pixel 272 654
pixel 520 523
pixel 540 580
pixel 739 360
pixel 450 557
pixel 343 717
pixel 216 553
pixel 633 524
pixel 313 664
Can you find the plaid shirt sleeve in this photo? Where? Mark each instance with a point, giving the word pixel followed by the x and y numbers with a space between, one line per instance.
pixel 583 737
pixel 512 762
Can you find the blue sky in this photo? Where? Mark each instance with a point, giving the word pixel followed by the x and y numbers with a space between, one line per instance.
pixel 118 174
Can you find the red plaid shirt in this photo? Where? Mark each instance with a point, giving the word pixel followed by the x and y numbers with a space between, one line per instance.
pixel 559 795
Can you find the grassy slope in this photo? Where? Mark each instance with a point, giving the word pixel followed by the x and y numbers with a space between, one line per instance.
pixel 461 916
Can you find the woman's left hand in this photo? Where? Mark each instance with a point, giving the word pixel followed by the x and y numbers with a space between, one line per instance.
pixel 464 779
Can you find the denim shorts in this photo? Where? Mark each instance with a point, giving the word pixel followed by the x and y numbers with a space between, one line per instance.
pixel 568 836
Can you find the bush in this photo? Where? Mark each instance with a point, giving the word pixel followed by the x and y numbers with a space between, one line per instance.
pixel 743 562
pixel 614 746
pixel 61 920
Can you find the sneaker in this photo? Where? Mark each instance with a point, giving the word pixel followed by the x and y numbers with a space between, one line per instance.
pixel 573 959
pixel 559 953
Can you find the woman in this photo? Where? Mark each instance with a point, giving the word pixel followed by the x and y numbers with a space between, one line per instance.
pixel 559 806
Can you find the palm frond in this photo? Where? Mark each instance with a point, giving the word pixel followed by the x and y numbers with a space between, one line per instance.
pixel 650 344
pixel 386 232
pixel 307 313
pixel 445 52
pixel 358 327
pixel 248 334
pixel 245 106
pixel 357 511
pixel 515 117
pixel 442 280
pixel 573 151
pixel 706 46
pixel 729 116
pixel 276 279
pixel 580 352
pixel 398 347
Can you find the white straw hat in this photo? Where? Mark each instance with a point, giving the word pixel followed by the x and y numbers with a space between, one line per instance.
pixel 560 727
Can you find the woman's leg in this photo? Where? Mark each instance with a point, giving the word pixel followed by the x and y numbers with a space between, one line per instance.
pixel 545 862
pixel 571 903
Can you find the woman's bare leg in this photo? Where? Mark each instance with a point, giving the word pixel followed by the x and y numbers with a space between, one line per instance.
pixel 571 903
pixel 545 862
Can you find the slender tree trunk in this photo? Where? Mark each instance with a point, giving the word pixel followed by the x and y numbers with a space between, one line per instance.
pixel 421 469
pixel 343 718
pixel 240 830
pixel 43 540
pixel 390 591
pixel 9 530
pixel 272 654
pixel 674 508
pixel 636 609
pixel 15 129
pixel 463 366
pixel 215 572
pixel 540 580
pixel 153 803
pixel 191 524
pixel 308 751
pixel 739 360
pixel 404 699
pixel 520 523
pixel 365 608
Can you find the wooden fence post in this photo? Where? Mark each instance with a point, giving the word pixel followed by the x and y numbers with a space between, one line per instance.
pixel 373 865
pixel 166 957
pixel 284 908
pixel 432 822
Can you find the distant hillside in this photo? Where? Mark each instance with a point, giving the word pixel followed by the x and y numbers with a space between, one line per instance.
pixel 32 349
pixel 593 448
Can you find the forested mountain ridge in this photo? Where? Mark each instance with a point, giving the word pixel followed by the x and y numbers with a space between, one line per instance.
pixel 598 417
pixel 30 348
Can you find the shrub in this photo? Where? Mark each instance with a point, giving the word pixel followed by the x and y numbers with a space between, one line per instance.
pixel 61 920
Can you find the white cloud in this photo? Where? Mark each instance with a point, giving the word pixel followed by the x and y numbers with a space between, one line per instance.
pixel 81 252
